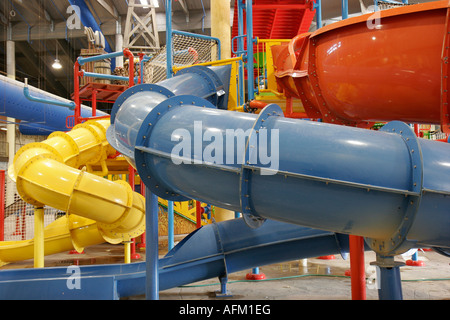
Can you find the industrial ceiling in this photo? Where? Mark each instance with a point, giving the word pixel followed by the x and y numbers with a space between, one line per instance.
pixel 40 33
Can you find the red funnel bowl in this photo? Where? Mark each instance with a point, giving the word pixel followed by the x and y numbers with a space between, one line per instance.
pixel 384 66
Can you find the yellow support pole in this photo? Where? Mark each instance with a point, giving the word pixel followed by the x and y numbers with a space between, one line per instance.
pixel 38 237
pixel 127 254
pixel 221 25
pixel 223 214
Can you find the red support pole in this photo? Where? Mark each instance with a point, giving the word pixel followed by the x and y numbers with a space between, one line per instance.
pixel 198 211
pixel 23 229
pixel 2 205
pixel 416 129
pixel 94 103
pixel 127 53
pixel 76 92
pixel 133 254
pixel 357 268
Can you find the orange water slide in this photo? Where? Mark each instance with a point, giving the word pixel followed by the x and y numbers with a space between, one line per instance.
pixel 383 66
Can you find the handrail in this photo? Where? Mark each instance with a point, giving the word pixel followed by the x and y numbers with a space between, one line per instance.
pixel 200 36
pixel 209 63
pixel 82 60
pixel 105 76
pixel 79 73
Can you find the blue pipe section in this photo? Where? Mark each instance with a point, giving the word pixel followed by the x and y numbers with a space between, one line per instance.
pixel 214 250
pixel 169 50
pixel 170 231
pixel 344 6
pixel 82 61
pixel 37 117
pixel 210 83
pixel 250 68
pixel 107 76
pixel 152 247
pixel 26 92
pixel 390 186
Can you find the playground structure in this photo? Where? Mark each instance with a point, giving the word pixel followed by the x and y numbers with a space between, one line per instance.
pixel 394 209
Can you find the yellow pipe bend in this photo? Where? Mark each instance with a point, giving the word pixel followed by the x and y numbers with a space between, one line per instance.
pixel 46 173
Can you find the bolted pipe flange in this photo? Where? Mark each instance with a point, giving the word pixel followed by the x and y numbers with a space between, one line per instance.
pixel 398 243
pixel 214 83
pixel 148 87
pixel 144 154
pixel 252 219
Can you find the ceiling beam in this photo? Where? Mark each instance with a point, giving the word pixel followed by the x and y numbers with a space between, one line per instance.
pixel 41 32
pixel 185 8
pixel 109 8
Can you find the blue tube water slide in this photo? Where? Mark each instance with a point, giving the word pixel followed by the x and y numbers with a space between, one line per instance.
pixel 388 186
pixel 209 83
pixel 36 117
pixel 214 250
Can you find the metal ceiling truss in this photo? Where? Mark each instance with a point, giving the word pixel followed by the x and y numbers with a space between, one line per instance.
pixel 140 31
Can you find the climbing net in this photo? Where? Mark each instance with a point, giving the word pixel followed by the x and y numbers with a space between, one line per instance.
pixel 186 50
pixel 384 5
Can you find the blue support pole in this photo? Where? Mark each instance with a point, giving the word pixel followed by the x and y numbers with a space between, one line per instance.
pixel 318 7
pixel 389 279
pixel 169 57
pixel 141 66
pixel 223 293
pixel 344 9
pixel 170 225
pixel 250 80
pixel 152 248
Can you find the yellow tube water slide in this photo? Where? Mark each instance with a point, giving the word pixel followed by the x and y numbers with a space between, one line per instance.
pixel 97 210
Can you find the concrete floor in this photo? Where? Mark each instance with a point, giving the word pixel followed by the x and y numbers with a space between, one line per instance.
pixel 311 279
pixel 317 279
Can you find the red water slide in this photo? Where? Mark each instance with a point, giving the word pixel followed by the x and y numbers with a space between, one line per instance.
pixel 383 66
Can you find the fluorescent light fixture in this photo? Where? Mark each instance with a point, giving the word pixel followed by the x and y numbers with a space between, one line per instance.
pixel 56 64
